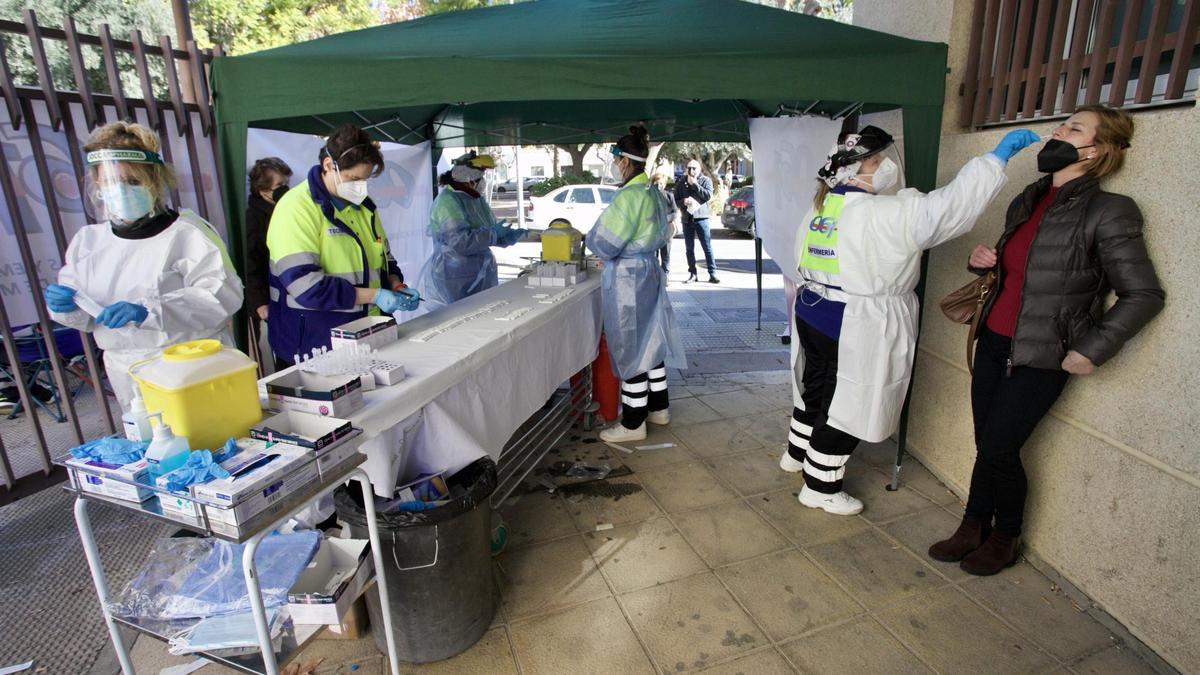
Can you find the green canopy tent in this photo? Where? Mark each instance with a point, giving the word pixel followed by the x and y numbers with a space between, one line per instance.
pixel 577 71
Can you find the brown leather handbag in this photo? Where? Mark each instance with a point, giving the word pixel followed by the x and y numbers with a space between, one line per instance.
pixel 965 305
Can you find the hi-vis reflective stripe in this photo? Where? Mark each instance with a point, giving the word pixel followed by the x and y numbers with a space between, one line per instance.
pixel 820 237
pixel 825 476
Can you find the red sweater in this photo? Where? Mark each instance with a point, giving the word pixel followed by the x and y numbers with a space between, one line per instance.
pixel 1002 318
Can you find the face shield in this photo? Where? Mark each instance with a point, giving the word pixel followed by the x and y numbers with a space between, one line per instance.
pixel 887 178
pixel 122 186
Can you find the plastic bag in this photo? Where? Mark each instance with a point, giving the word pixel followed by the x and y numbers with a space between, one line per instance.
pixel 471 486
pixel 192 577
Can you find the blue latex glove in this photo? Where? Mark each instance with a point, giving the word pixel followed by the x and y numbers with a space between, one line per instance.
pixel 515 235
pixel 1013 142
pixel 410 298
pixel 228 450
pixel 121 313
pixel 111 450
pixel 199 468
pixel 60 299
pixel 391 302
pixel 499 227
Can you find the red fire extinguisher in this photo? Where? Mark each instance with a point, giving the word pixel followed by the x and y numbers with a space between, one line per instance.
pixel 606 387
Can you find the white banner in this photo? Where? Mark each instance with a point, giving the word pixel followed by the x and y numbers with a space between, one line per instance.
pixel 34 210
pixel 403 193
pixel 787 153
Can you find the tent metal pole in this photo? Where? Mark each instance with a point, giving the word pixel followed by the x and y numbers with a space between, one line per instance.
pixel 520 184
pixel 758 267
pixel 323 121
pixel 376 127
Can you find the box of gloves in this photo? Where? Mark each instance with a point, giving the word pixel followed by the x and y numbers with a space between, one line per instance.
pixel 336 576
pixel 294 389
pixel 303 429
pixel 376 331
pixel 112 480
pixel 259 477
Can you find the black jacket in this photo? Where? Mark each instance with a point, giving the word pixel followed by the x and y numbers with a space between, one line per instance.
pixel 1089 242
pixel 258 259
pixel 701 192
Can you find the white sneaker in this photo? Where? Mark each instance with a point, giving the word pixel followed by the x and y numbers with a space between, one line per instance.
pixel 790 465
pixel 619 433
pixel 840 504
pixel 659 417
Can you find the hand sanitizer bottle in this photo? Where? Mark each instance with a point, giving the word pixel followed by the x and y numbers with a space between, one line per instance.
pixel 137 420
pixel 167 451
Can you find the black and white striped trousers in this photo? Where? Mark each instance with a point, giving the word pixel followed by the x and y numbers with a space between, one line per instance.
pixel 823 449
pixel 643 394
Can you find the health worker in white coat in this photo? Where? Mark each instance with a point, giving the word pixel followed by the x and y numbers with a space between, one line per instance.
pixel 147 276
pixel 856 313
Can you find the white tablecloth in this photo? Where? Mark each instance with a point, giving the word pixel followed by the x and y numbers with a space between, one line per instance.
pixel 468 389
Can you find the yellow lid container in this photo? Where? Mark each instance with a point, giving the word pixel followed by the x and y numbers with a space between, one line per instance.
pixel 206 391
pixel 562 242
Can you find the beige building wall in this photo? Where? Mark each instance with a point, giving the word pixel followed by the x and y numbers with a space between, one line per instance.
pixel 1114 470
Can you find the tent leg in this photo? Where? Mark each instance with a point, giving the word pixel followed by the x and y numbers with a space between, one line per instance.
pixel 758 267
pixel 895 484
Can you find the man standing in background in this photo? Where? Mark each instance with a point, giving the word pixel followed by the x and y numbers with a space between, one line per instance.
pixel 692 193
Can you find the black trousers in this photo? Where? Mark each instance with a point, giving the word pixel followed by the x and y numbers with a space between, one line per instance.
pixel 643 394
pixel 823 449
pixel 665 254
pixel 1006 408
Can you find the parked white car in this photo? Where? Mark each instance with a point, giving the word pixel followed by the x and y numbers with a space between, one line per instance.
pixel 578 205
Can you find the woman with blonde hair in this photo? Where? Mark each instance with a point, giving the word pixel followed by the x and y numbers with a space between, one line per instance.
pixel 1066 244
pixel 154 276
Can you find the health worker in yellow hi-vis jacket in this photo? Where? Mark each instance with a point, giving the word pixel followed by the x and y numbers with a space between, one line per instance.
pixel 330 262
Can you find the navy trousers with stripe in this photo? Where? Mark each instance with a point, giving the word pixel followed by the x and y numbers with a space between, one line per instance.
pixel 822 448
pixel 643 394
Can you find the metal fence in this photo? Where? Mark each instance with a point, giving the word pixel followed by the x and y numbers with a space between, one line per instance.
pixel 42 180
pixel 1034 59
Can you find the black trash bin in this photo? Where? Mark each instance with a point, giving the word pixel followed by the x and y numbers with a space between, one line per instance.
pixel 438 568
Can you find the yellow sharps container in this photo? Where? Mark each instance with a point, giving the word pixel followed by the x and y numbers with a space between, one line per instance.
pixel 562 242
pixel 205 391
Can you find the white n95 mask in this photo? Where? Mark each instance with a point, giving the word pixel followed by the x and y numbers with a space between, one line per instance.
pixel 885 176
pixel 353 191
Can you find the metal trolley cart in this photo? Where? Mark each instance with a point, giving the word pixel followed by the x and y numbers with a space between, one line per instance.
pixel 251 533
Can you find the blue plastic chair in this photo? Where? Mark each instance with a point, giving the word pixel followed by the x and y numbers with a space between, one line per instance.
pixel 36 368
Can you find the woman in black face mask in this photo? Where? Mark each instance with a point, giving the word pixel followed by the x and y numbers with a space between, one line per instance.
pixel 1066 244
pixel 268 182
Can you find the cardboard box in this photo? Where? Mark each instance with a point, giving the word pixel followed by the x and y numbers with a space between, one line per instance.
pixel 303 429
pixel 112 480
pixel 331 582
pixel 236 499
pixel 355 623
pixel 376 331
pixel 333 455
pixel 294 389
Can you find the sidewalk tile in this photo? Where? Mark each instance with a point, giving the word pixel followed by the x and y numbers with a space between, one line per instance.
pixel 643 554
pixel 787 593
pixel 492 654
pixel 544 577
pixel 692 411
pixel 681 487
pixel 726 533
pixel 954 635
pixel 537 517
pixel 923 529
pixel 721 437
pixel 861 646
pixel 734 403
pixel 690 623
pixel 755 472
pixel 616 501
pixel 591 638
pixel 1041 611
pixel 764 662
pixel 1118 659
pixel 876 571
pixel 880 504
pixel 803 525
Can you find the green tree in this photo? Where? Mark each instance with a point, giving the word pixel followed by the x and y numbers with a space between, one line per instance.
pixel 577 151
pixel 242 26
pixel 152 17
pixel 711 155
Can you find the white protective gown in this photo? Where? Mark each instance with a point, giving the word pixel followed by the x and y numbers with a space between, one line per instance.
pixel 880 240
pixel 182 276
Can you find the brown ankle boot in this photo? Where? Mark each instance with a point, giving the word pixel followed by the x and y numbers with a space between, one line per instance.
pixel 999 551
pixel 968 537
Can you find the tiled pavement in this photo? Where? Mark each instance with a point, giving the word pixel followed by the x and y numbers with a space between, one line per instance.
pixel 712 564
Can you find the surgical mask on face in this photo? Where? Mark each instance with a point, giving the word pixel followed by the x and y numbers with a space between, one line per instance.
pixel 885 176
pixel 126 202
pixel 1057 155
pixel 278 193
pixel 353 191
